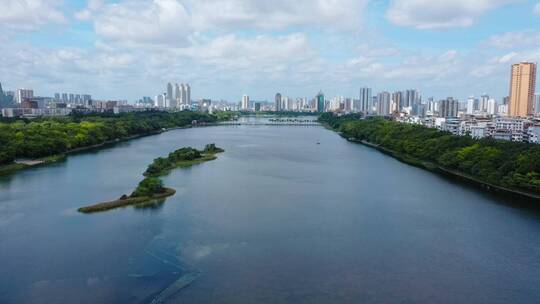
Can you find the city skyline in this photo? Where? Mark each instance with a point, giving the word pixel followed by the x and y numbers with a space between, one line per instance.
pixel 294 48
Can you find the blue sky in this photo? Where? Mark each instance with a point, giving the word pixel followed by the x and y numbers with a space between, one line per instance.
pixel 127 49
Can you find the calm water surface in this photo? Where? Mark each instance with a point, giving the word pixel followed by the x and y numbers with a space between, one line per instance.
pixel 276 219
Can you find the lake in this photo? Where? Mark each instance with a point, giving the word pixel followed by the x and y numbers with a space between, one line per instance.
pixel 277 218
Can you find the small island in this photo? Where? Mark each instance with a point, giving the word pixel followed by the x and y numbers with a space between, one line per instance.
pixel 151 187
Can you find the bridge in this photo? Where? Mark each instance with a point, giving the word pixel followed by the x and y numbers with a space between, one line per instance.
pixel 272 122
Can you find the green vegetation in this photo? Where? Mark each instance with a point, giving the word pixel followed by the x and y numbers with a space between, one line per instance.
pixel 31 139
pixel 151 188
pixel 511 165
pixel 183 157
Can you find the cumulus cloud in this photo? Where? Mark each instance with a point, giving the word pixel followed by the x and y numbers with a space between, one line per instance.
pixel 29 15
pixel 173 22
pixel 439 14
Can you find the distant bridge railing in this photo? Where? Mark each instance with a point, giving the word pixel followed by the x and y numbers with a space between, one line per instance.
pixel 272 122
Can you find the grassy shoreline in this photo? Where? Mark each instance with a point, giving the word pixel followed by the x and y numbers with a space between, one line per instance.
pixel 104 206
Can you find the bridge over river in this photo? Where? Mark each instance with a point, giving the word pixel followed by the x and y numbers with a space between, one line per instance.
pixel 272 122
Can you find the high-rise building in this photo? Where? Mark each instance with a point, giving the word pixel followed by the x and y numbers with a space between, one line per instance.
pixel 177 96
pixel 471 105
pixel 245 102
pixel 319 101
pixel 365 102
pixel 383 103
pixel 537 104
pixel 23 94
pixel 278 102
pixel 397 99
pixel 169 93
pixel 448 107
pixel 187 98
pixel 483 103
pixel 411 98
pixel 491 106
pixel 257 106
pixel 522 87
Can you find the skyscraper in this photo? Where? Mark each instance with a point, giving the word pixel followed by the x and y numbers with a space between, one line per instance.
pixel 470 105
pixel 24 94
pixel 188 94
pixel 319 99
pixel 522 87
pixel 448 107
pixel 537 104
pixel 169 93
pixel 383 103
pixel 177 96
pixel 245 102
pixel 397 99
pixel 484 103
pixel 278 102
pixel 364 103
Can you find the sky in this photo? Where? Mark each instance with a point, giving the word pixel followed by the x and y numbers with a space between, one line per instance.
pixel 126 49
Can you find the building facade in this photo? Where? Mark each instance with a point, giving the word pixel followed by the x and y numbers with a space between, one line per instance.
pixel 522 89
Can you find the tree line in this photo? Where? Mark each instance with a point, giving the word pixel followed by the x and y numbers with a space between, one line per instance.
pixel 513 165
pixel 23 138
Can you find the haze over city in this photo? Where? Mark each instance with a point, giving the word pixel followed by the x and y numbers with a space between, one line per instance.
pixel 226 48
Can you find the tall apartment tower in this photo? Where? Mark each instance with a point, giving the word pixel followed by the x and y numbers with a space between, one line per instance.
pixel 278 102
pixel 169 94
pixel 188 94
pixel 522 87
pixel 245 102
pixel 365 101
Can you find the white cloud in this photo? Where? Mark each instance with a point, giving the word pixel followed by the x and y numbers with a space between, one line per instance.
pixel 174 22
pixel 537 9
pixel 515 39
pixel 29 15
pixel 439 14
pixel 156 22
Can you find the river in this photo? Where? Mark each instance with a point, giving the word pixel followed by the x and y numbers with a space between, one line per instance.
pixel 277 218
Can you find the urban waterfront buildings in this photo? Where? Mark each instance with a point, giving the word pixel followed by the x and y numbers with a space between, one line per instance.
pixel 522 89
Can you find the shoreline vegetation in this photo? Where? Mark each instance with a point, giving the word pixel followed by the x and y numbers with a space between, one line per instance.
pixel 30 143
pixel 497 166
pixel 151 188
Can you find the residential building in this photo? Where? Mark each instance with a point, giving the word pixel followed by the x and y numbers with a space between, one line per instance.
pixel 522 89
pixel 24 94
pixel 365 102
pixel 245 103
pixel 383 104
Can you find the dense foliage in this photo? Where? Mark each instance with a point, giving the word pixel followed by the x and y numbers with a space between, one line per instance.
pixel 187 155
pixel 48 136
pixel 509 164
pixel 148 187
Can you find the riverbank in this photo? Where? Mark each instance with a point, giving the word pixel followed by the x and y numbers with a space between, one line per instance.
pixel 430 166
pixel 32 163
pixel 127 201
